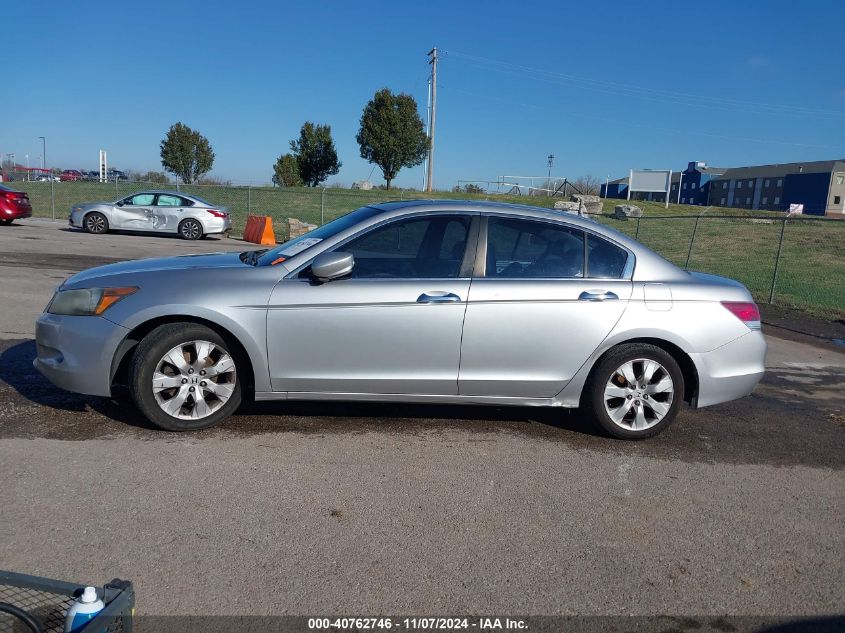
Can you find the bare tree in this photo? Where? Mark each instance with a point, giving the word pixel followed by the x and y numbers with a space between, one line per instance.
pixel 588 185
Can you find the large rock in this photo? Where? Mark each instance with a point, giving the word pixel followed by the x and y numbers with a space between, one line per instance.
pixel 296 228
pixel 591 204
pixel 625 211
pixel 566 205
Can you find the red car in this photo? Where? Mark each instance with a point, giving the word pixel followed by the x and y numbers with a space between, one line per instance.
pixel 13 205
pixel 71 175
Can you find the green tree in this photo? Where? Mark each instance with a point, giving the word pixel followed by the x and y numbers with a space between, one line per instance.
pixel 315 153
pixel 286 172
pixel 392 134
pixel 186 153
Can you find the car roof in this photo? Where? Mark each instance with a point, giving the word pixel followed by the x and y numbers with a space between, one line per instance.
pixel 492 206
pixel 164 191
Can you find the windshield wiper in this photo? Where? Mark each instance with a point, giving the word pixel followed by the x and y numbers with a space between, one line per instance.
pixel 251 257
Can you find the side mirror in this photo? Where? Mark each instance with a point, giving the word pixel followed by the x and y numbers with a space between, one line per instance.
pixel 328 266
pixel 120 203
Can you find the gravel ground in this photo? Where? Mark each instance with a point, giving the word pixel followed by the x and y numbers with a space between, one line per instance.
pixel 364 509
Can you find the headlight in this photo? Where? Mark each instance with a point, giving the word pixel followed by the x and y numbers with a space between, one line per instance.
pixel 87 301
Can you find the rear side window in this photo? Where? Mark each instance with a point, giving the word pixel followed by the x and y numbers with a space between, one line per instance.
pixel 166 200
pixel 604 259
pixel 527 249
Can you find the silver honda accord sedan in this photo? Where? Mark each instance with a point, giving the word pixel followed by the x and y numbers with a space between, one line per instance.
pixel 420 301
pixel 189 216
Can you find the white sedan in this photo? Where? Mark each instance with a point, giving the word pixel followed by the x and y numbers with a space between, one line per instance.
pixel 189 216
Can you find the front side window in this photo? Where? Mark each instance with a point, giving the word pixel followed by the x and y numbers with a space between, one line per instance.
pixel 527 249
pixel 140 199
pixel 416 248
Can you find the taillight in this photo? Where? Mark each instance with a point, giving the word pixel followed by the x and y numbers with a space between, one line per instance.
pixel 745 311
pixel 218 214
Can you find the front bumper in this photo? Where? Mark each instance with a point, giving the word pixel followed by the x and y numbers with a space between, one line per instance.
pixel 731 371
pixel 75 352
pixel 75 218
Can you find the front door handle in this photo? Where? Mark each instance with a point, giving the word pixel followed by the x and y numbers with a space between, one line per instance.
pixel 438 296
pixel 597 295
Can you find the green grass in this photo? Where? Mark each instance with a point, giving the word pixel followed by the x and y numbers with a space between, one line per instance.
pixel 810 275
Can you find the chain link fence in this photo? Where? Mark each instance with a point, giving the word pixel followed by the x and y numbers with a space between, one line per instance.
pixel 794 262
pixel 788 261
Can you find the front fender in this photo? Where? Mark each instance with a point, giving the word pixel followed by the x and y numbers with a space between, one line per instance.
pixel 248 324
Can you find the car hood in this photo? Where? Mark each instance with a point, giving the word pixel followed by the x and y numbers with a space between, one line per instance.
pixel 87 278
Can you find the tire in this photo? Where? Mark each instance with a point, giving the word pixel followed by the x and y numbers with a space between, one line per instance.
pixel 190 229
pixel 95 223
pixel 6 222
pixel 631 412
pixel 170 353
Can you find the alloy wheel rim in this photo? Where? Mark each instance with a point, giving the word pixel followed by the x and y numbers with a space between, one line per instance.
pixel 190 229
pixel 95 223
pixel 193 380
pixel 638 394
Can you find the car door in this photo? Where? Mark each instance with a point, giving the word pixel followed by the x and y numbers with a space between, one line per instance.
pixel 392 327
pixel 134 213
pixel 539 309
pixel 167 212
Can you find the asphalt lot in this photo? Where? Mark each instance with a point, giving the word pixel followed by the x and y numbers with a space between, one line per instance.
pixel 366 509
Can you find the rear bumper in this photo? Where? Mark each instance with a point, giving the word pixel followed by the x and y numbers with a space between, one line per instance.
pixel 8 212
pixel 731 371
pixel 217 225
pixel 75 352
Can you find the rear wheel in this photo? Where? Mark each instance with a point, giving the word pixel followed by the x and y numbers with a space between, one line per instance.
pixel 96 223
pixel 190 229
pixel 183 377
pixel 6 222
pixel 635 391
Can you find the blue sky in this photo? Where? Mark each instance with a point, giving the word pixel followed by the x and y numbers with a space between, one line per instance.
pixel 604 86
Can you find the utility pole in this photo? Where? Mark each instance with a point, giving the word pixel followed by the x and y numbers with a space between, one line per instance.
pixel 43 152
pixel 551 163
pixel 427 127
pixel 433 61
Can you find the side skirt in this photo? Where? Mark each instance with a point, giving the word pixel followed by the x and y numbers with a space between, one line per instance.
pixel 414 397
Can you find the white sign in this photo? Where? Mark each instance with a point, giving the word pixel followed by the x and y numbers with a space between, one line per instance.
pixel 104 168
pixel 796 209
pixel 650 181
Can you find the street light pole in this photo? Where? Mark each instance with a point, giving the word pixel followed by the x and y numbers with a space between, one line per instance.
pixel 43 152
pixel 551 162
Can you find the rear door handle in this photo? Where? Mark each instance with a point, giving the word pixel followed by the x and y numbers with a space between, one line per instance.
pixel 438 296
pixel 597 295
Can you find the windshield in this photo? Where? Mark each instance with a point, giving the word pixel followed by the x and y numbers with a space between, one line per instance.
pixel 304 242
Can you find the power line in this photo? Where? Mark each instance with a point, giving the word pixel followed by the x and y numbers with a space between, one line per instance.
pixel 642 92
pixel 681 132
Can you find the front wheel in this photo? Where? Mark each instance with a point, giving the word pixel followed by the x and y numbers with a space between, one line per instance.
pixel 183 377
pixel 190 230
pixel 635 391
pixel 96 223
